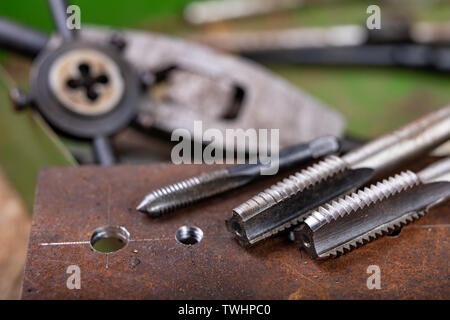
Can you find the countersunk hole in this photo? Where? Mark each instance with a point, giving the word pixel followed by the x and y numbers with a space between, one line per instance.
pixel 395 233
pixel 109 239
pixel 189 235
pixel 306 241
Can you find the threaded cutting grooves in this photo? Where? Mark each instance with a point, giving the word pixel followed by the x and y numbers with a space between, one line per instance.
pixel 374 234
pixel 189 235
pixel 167 194
pixel 362 198
pixel 290 186
pixel 180 194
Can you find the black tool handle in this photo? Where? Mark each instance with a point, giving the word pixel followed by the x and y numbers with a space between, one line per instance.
pixel 292 156
pixel 402 55
pixel 373 55
pixel 391 32
pixel 20 39
pixel 441 58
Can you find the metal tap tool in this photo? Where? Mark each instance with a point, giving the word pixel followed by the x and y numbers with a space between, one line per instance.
pixel 289 202
pixel 188 191
pixel 349 222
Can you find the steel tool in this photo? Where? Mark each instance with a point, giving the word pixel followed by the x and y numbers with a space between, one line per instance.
pixel 83 89
pixel 247 42
pixel 92 83
pixel 397 43
pixel 194 83
pixel 347 223
pixel 188 191
pixel 288 202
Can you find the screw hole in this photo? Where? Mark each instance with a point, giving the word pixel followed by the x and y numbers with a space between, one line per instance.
pixel 84 68
pixel 103 78
pixel 109 239
pixel 72 83
pixel 189 235
pixel 91 94
pixel 395 233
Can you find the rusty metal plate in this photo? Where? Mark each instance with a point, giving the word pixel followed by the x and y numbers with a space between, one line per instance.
pixel 72 202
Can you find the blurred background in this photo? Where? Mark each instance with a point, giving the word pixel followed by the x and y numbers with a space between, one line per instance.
pixel 375 96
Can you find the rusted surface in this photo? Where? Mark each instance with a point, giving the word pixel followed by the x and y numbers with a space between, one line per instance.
pixel 72 202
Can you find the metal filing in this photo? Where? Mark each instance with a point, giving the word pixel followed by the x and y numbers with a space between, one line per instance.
pixel 188 191
pixel 288 202
pixel 353 220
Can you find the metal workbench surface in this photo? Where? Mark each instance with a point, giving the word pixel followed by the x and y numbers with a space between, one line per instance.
pixel 72 202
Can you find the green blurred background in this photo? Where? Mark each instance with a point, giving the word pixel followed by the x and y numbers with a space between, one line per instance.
pixel 374 100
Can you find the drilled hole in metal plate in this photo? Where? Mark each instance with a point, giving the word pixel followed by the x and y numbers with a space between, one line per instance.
pixel 189 235
pixel 395 233
pixel 109 239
